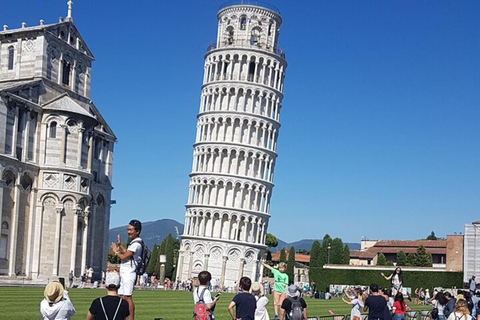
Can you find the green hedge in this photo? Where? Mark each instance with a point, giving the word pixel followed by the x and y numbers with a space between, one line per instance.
pixel 413 279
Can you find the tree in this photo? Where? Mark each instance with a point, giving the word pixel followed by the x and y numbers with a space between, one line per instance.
pixel 381 260
pixel 422 258
pixel 315 263
pixel 326 242
pixel 432 236
pixel 291 265
pixel 303 251
pixel 283 255
pixel 152 264
pixel 346 255
pixel 401 258
pixel 271 241
pixel 410 259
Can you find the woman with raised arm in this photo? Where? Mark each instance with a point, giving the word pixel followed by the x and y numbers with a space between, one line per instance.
pixel 396 279
pixel 356 302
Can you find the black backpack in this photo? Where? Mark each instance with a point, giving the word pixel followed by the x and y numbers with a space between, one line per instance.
pixel 297 311
pixel 141 266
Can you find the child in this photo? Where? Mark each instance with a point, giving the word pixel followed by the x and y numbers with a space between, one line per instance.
pixel 244 303
pixel 281 282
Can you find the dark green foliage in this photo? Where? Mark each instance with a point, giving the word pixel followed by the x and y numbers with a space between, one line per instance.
pixel 401 258
pixel 169 247
pixel 413 279
pixel 290 265
pixel 303 251
pixel 315 266
pixel 346 255
pixel 432 236
pixel 283 255
pixel 327 241
pixel 271 241
pixel 112 258
pixel 422 258
pixel 381 260
pixel 410 259
pixel 336 251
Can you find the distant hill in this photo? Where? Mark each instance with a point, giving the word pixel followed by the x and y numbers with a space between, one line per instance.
pixel 306 244
pixel 153 232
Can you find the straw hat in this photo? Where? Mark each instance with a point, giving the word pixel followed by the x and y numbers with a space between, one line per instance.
pixel 257 288
pixel 53 292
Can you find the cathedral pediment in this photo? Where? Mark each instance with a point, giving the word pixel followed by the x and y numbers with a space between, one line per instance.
pixel 66 104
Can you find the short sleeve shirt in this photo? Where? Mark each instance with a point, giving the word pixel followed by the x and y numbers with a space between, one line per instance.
pixel 376 307
pixel 245 305
pixel 111 304
pixel 136 247
pixel 207 295
pixel 281 281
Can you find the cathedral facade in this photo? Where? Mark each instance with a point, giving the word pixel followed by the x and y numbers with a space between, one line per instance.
pixel 234 156
pixel 56 154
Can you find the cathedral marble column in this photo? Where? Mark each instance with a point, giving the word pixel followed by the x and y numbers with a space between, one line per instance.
pixel 222 274
pixel 56 250
pixel 86 216
pixel 73 257
pixel 12 251
pixel 31 234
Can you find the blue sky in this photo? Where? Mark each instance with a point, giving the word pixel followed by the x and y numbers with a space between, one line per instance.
pixel 380 121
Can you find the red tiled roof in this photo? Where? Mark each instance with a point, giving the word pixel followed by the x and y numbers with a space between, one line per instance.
pixel 302 258
pixel 394 246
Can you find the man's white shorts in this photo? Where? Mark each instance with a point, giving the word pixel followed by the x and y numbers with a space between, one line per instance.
pixel 127 281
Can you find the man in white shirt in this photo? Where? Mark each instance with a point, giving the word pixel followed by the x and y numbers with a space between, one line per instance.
pixel 129 258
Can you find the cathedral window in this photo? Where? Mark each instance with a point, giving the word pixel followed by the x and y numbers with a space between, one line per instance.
pixel 66 67
pixel 4 240
pixel 243 23
pixel 52 132
pixel 11 51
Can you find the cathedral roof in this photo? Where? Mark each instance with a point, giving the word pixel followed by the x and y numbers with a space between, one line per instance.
pixel 17 85
pixel 66 104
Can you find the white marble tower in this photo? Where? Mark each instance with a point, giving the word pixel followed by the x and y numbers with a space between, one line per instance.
pixel 234 154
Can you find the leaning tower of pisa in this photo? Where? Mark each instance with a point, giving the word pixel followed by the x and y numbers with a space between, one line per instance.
pixel 231 182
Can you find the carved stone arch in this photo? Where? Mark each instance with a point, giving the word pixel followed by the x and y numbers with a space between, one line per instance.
pixel 216 252
pixel 68 57
pixel 81 67
pixel 234 254
pixel 26 182
pixel 249 256
pixel 52 52
pixel 8 177
pixel 187 246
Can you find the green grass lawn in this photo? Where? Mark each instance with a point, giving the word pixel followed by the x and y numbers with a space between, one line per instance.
pixel 22 303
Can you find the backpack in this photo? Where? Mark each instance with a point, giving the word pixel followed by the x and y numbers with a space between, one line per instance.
pixel 434 313
pixel 141 266
pixel 200 311
pixel 297 311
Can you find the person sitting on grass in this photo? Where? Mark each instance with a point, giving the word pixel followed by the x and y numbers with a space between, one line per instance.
pixel 57 304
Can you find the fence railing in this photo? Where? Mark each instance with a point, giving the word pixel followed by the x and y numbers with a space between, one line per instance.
pixel 410 315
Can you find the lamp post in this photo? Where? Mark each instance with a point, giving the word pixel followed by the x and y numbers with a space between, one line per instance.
pixel 162 260
pixel 328 256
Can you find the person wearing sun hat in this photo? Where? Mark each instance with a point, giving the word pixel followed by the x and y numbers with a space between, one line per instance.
pixel 261 312
pixel 57 304
pixel 111 306
pixel 293 295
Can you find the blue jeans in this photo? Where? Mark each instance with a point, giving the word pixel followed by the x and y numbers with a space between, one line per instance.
pixel 398 317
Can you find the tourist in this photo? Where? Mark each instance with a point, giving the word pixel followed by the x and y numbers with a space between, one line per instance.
pixel 203 293
pixel 450 305
pixel 279 286
pixel 261 312
pixel 70 279
pixel 129 257
pixel 244 303
pixel 399 307
pixel 57 304
pixel 439 301
pixel 461 311
pixel 375 303
pixel 396 280
pixel 287 307
pixel 356 301
pixel 472 285
pixel 110 306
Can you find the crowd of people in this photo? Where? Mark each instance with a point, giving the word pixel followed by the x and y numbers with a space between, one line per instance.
pixel 250 301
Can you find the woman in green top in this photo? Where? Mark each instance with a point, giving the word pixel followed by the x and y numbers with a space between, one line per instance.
pixel 281 282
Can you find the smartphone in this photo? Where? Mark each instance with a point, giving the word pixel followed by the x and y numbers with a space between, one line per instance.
pixel 217 295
